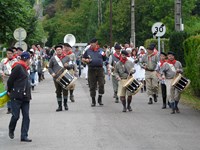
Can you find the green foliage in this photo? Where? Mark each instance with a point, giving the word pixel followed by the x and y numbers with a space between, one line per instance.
pixel 176 45
pixel 82 22
pixel 80 17
pixel 12 17
pixel 19 13
pixel 192 60
pixel 164 44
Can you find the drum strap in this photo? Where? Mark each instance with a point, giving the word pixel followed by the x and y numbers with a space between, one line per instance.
pixel 172 67
pixel 59 61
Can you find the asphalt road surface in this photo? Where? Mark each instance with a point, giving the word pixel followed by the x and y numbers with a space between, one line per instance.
pixel 147 127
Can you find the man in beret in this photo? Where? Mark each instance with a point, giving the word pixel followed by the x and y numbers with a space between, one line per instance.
pixel 149 63
pixel 113 59
pixel 19 89
pixel 167 73
pixel 57 64
pixel 5 70
pixel 123 70
pixel 94 56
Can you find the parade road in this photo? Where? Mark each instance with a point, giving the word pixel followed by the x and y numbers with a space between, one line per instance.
pixel 83 127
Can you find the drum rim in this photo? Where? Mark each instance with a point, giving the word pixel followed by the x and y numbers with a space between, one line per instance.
pixel 176 78
pixel 138 89
pixel 74 79
pixel 128 82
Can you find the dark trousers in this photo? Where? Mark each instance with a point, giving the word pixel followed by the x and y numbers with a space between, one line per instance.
pixel 16 105
pixel 60 90
pixel 164 92
pixel 96 77
pixel 78 63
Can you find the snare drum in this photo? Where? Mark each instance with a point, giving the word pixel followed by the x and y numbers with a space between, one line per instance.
pixel 133 85
pixel 180 82
pixel 66 79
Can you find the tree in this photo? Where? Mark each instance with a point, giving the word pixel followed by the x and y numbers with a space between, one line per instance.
pixel 12 17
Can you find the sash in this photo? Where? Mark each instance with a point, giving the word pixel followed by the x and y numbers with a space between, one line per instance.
pixel 172 67
pixel 59 61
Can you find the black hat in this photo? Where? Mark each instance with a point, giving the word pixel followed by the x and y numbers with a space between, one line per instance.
pixel 117 46
pixel 67 44
pixel 151 47
pixel 58 46
pixel 171 53
pixel 10 50
pixel 163 53
pixel 20 49
pixel 94 40
pixel 124 52
pixel 25 56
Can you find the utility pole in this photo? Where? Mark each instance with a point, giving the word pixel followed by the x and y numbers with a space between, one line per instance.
pixel 178 16
pixel 132 40
pixel 99 12
pixel 111 23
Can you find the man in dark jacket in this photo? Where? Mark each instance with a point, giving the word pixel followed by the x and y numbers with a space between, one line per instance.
pixel 94 57
pixel 19 89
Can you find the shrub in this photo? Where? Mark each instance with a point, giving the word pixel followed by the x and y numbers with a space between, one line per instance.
pixel 192 61
pixel 164 44
pixel 176 45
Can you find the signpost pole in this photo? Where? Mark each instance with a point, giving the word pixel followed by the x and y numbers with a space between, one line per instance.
pixel 159 45
pixel 20 41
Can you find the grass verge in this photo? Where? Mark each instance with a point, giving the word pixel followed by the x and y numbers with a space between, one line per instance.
pixel 188 98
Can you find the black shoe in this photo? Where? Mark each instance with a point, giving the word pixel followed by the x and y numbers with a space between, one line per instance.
pixel 155 97
pixel 32 88
pixel 100 100
pixel 168 103
pixel 72 98
pixel 26 140
pixel 150 101
pixel 11 134
pixel 141 90
pixel 66 107
pixel 129 108
pixel 117 100
pixel 164 106
pixel 8 111
pixel 124 109
pixel 93 105
pixel 59 109
pixel 173 111
pixel 177 110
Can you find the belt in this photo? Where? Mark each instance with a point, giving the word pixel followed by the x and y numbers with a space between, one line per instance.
pixel 149 70
pixel 95 67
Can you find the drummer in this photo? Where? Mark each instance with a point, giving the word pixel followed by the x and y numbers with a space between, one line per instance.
pixel 123 71
pixel 168 72
pixel 67 49
pixel 57 65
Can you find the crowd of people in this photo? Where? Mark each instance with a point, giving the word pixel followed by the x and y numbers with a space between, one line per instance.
pixel 22 70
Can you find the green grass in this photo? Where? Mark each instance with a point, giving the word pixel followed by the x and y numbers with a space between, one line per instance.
pixel 188 98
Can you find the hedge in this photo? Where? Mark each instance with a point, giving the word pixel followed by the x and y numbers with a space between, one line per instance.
pixel 192 61
pixel 176 45
pixel 162 40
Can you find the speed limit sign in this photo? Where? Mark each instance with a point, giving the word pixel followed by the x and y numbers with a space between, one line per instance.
pixel 158 29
